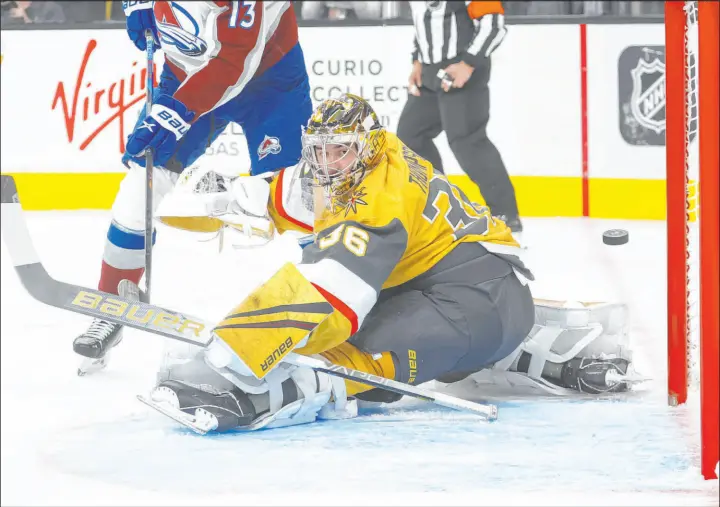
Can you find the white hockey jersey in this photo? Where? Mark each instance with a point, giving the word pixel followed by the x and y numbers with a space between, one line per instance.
pixel 216 48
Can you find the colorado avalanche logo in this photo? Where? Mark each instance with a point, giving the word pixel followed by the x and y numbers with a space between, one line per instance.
pixel 270 145
pixel 178 28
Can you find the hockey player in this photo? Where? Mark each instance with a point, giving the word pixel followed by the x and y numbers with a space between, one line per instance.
pixel 406 279
pixel 225 62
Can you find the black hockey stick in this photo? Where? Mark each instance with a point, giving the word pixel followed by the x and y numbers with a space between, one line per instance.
pixel 159 320
pixel 149 166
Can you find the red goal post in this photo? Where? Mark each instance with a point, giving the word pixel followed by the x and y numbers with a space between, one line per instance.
pixel 693 203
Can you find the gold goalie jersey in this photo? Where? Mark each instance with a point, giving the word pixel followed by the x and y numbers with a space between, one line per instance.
pixel 398 223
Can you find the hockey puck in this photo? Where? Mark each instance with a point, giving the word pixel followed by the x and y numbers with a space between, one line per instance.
pixel 616 237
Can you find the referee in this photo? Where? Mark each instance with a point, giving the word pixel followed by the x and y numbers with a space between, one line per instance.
pixel 455 40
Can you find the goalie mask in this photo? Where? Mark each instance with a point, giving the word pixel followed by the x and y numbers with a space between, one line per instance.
pixel 342 141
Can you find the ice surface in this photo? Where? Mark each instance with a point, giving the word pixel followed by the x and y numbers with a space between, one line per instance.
pixel 68 440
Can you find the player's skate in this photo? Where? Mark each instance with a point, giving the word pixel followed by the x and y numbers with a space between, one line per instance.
pixel 95 343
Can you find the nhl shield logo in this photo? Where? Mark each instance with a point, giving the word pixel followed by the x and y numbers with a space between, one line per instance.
pixel 269 146
pixel 647 101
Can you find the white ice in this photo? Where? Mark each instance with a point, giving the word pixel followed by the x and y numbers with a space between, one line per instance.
pixel 68 440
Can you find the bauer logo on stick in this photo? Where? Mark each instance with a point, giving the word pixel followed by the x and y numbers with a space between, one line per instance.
pixel 137 313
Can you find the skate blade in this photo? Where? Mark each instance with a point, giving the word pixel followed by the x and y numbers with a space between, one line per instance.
pixel 90 365
pixel 276 420
pixel 631 378
pixel 200 423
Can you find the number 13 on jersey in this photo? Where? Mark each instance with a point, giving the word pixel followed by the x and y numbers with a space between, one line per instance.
pixel 248 18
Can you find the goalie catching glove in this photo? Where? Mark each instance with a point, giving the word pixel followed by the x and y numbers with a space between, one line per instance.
pixel 240 203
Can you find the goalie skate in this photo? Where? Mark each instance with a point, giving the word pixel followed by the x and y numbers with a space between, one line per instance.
pixel 201 422
pixel 598 376
pixel 201 407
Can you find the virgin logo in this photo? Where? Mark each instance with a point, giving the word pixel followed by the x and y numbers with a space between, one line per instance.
pixel 94 108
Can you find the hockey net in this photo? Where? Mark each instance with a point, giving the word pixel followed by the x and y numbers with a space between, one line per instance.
pixel 691 45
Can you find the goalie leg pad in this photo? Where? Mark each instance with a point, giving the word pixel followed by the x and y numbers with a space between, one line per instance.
pixel 321 396
pixel 272 321
pixel 573 346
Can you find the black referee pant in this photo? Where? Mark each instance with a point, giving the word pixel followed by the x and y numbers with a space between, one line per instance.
pixel 463 114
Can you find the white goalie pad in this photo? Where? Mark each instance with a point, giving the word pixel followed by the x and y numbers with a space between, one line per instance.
pixel 323 396
pixel 566 330
pixel 562 331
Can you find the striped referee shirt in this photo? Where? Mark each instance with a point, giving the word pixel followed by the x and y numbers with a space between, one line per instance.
pixel 445 30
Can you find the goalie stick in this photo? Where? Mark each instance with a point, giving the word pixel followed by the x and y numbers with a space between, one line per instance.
pixel 161 321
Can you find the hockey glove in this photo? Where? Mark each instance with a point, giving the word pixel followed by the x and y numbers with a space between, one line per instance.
pixel 161 130
pixel 140 17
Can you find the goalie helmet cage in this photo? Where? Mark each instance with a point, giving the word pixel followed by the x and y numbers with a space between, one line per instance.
pixel 692 118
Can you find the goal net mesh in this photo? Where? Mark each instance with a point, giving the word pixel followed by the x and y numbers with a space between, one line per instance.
pixel 692 165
